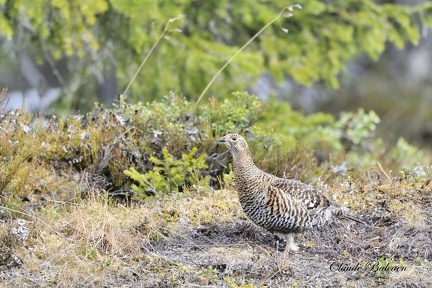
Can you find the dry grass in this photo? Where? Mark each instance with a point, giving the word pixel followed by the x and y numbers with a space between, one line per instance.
pixel 204 240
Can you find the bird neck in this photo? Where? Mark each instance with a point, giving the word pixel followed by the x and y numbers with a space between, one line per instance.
pixel 243 164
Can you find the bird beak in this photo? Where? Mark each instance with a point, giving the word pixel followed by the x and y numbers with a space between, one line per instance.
pixel 221 140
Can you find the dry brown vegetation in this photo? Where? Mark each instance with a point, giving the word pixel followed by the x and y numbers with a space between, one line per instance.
pixel 204 240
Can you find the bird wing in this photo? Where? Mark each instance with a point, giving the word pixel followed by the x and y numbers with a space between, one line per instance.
pixel 289 213
pixel 308 196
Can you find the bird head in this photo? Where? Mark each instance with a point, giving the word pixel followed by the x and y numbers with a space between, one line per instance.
pixel 234 142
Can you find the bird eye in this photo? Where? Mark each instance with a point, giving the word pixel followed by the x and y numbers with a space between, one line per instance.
pixel 234 138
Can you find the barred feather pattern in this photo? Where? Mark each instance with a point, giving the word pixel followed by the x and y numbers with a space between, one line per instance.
pixel 282 206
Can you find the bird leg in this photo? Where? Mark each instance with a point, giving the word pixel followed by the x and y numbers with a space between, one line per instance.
pixel 290 245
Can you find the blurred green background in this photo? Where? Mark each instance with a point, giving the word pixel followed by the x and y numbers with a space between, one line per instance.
pixel 63 56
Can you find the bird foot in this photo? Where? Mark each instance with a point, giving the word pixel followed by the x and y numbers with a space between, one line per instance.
pixel 291 246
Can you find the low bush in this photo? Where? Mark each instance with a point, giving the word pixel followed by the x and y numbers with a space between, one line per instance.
pixel 165 146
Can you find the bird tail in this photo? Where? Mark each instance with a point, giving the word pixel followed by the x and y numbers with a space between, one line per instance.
pixel 329 212
pixel 335 210
pixel 343 212
pixel 326 215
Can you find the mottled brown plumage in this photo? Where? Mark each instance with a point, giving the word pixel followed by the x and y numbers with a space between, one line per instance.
pixel 282 206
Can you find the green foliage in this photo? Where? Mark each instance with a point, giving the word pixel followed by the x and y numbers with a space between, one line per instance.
pixel 291 126
pixel 231 115
pixel 356 127
pixel 118 33
pixel 92 151
pixel 403 150
pixel 381 264
pixel 169 174
pixel 232 283
pixel 168 124
pixel 193 166
pixel 351 130
pixel 171 169
pixel 168 145
pixel 415 172
pixel 353 135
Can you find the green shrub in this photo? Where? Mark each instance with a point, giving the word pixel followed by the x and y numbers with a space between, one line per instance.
pixel 350 138
pixel 169 174
pixel 68 156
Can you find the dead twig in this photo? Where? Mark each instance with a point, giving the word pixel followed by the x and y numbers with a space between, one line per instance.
pixel 384 172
